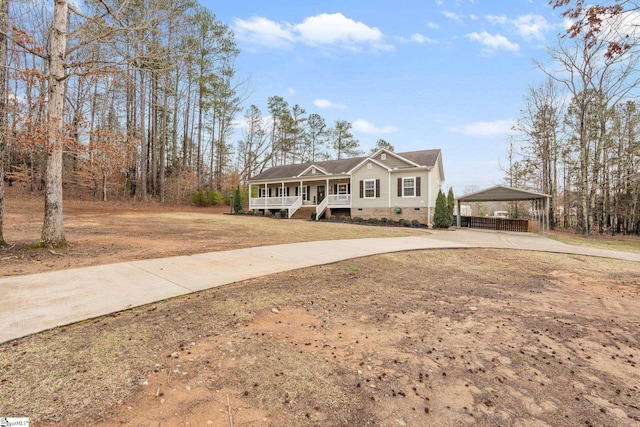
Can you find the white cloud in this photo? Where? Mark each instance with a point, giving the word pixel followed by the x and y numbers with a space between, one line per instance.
pixel 325 103
pixel 433 25
pixel 532 27
pixel 622 28
pixel 263 31
pixel 494 41
pixel 452 15
pixel 496 19
pixel 529 27
pixel 419 38
pixel 336 28
pixel 291 91
pixel 364 126
pixel 496 127
pixel 319 30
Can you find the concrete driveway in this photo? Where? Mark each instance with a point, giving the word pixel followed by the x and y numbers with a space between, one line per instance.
pixel 37 302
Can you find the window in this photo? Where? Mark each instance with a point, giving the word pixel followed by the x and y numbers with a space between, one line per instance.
pixel 342 191
pixel 408 187
pixel 305 195
pixel 369 165
pixel 383 156
pixel 262 192
pixel 281 192
pixel 369 188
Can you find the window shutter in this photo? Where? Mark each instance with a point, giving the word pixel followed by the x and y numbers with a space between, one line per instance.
pixel 417 186
pixel 399 187
pixel 308 191
pixel 269 193
pixel 335 188
pixel 377 188
pixel 287 191
pixel 297 191
pixel 361 189
pixel 349 188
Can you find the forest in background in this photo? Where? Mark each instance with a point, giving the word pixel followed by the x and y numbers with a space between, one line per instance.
pixel 578 135
pixel 149 100
pixel 141 99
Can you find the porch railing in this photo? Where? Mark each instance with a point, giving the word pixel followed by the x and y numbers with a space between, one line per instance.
pixel 272 202
pixel 296 205
pixel 339 199
pixel 321 207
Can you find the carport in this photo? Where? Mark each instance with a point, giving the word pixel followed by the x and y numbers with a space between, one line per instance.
pixel 501 193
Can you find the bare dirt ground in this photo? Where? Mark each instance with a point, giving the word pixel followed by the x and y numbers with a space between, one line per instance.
pixel 446 337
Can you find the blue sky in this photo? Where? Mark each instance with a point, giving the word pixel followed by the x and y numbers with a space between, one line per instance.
pixel 419 74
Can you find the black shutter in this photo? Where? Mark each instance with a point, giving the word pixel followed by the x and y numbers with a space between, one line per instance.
pixel 361 189
pixel 417 186
pixel 399 187
pixel 308 192
pixel 335 188
pixel 297 191
pixel 349 188
pixel 377 188
pixel 269 193
pixel 287 191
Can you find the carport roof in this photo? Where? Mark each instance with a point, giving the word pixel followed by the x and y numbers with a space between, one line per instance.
pixel 501 193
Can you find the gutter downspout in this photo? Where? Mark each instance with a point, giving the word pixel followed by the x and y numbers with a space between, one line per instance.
pixel 428 196
pixel 389 195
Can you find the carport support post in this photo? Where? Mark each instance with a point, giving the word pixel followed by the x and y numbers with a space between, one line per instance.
pixel 548 218
pixel 458 220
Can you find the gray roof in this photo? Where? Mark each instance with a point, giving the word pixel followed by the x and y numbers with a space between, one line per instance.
pixel 501 193
pixel 342 166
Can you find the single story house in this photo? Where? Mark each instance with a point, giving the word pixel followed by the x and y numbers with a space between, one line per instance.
pixel 382 185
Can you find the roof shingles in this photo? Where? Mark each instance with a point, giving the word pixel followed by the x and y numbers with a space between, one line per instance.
pixel 337 167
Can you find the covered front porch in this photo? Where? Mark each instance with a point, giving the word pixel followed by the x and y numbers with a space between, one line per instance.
pixel 292 195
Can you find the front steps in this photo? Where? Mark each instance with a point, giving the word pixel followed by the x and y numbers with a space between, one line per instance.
pixel 304 212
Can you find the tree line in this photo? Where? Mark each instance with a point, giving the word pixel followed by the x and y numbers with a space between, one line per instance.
pixel 578 135
pixel 138 96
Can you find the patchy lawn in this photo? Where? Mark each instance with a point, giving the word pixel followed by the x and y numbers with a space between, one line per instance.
pixel 446 337
pixel 470 337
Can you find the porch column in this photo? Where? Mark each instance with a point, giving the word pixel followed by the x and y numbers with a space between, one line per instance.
pixel 459 221
pixel 300 193
pixel 282 195
pixel 249 196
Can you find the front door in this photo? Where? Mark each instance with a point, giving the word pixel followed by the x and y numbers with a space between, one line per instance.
pixel 321 193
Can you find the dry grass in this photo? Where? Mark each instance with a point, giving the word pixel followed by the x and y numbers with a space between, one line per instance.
pixel 429 337
pixel 614 243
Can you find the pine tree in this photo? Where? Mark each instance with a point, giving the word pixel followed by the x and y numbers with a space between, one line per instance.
pixel 451 203
pixel 441 218
pixel 237 201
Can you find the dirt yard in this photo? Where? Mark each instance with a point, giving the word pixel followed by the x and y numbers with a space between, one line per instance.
pixel 446 337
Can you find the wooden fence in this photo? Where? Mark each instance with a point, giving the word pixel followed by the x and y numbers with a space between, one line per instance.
pixel 500 224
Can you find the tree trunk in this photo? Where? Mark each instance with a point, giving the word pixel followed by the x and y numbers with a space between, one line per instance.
pixel 104 186
pixel 143 141
pixel 53 228
pixel 4 9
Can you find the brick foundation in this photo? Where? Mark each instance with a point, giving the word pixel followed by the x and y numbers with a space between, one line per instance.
pixel 409 214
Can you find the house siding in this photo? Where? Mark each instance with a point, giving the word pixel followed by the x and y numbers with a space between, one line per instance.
pixel 421 201
pixel 363 173
pixel 392 161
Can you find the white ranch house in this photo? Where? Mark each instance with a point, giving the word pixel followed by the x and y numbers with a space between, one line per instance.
pixel 383 185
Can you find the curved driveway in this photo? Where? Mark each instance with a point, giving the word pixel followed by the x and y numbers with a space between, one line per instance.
pixel 37 302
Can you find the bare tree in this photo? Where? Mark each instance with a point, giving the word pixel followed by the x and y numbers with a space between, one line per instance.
pixel 4 15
